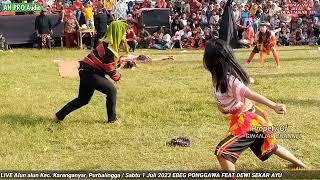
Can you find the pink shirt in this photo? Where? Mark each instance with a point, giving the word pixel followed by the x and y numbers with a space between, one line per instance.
pixel 233 100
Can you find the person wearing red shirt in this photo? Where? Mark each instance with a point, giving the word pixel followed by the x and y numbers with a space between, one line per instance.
pixel 195 5
pixel 77 6
pixel 131 38
pixel 161 4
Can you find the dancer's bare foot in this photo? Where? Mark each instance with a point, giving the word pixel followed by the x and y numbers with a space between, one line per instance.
pixel 55 119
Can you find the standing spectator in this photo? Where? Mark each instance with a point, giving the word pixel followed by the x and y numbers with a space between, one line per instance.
pixel 43 29
pixel 70 29
pixel 236 14
pixel 131 38
pixel 88 15
pixel 100 24
pixel 244 14
pixel 121 9
pixel 77 6
pixel 108 5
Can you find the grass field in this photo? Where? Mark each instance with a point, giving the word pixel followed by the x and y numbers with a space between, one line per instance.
pixel 156 102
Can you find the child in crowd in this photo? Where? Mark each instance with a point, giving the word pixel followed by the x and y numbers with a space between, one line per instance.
pixel 88 15
pixel 237 102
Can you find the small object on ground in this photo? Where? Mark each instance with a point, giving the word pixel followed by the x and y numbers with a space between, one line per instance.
pixel 180 141
pixel 68 69
pixel 251 80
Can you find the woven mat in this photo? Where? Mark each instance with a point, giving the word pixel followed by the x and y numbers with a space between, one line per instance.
pixel 68 69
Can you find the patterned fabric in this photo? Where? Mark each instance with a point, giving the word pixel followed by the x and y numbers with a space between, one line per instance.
pixel 102 60
pixel 44 40
pixel 254 120
pixel 70 25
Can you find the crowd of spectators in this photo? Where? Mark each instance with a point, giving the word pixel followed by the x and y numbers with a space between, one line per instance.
pixel 192 22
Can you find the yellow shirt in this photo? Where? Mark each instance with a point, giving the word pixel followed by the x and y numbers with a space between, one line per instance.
pixel 88 13
pixel 108 4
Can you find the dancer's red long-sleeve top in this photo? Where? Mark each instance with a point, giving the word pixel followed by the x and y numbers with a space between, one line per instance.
pixel 102 59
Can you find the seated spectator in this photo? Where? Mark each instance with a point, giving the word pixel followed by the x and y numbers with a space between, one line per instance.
pixel 299 39
pixel 214 20
pixel 286 18
pixel 71 26
pixel 130 7
pixel 176 25
pixel 144 38
pixel 176 39
pixel 275 21
pixel 185 34
pixel 131 39
pixel 196 40
pixel 284 36
pixel 157 36
pixel 88 15
pixel 185 7
pixel 184 20
pixel 204 20
pixel 164 42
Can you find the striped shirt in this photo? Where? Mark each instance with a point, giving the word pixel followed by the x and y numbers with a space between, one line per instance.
pixel 233 100
pixel 102 59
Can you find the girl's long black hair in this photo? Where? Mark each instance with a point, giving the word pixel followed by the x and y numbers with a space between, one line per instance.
pixel 260 37
pixel 220 61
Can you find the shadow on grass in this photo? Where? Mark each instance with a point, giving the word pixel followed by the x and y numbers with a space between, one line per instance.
pixel 309 74
pixel 27 120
